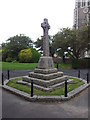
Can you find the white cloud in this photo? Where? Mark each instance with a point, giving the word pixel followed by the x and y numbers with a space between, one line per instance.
pixel 25 17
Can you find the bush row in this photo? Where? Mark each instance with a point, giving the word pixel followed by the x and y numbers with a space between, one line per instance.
pixel 81 63
pixel 25 56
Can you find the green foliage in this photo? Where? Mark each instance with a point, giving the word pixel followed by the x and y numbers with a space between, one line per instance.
pixel 61 40
pixel 63 66
pixel 14 45
pixel 25 56
pixel 8 59
pixel 14 61
pixel 35 56
pixel 4 54
pixel 0 51
pixel 78 40
pixel 81 63
pixel 39 43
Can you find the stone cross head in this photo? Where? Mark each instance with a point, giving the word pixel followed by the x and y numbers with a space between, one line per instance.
pixel 45 24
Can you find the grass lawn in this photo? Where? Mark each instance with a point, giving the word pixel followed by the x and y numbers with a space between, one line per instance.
pixel 27 66
pixel 57 92
pixel 64 66
pixel 18 66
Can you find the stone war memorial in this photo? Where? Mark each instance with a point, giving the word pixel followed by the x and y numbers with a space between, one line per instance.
pixel 45 77
pixel 48 79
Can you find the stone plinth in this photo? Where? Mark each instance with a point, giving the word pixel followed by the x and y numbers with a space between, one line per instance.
pixel 45 63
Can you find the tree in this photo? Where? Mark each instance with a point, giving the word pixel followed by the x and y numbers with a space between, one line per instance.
pixel 15 44
pixel 25 56
pixel 76 39
pixel 39 44
pixel 61 40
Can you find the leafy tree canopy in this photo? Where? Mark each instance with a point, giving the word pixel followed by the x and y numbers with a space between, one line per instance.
pixel 77 40
pixel 14 44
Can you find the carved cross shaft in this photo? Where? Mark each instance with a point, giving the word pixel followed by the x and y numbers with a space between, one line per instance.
pixel 45 27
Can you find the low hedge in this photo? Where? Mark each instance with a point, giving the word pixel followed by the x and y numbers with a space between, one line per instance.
pixel 81 63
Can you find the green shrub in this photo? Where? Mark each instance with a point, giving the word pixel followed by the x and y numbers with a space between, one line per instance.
pixel 9 59
pixel 81 63
pixel 14 61
pixel 4 55
pixel 25 56
pixel 35 56
pixel 1 51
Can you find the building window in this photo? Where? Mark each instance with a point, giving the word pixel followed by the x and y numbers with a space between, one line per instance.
pixel 88 3
pixel 83 3
pixel 79 4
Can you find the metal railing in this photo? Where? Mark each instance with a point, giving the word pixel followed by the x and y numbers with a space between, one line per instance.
pixel 8 74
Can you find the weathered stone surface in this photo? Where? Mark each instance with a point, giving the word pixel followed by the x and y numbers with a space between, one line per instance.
pixel 46 89
pixel 45 63
pixel 45 71
pixel 46 76
pixel 45 27
pixel 45 83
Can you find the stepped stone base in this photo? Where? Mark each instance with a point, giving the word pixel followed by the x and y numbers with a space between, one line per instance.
pixel 45 77
pixel 45 82
pixel 45 89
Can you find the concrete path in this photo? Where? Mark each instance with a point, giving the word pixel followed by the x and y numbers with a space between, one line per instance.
pixel 16 107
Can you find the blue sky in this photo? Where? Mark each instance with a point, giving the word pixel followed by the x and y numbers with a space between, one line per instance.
pixel 26 16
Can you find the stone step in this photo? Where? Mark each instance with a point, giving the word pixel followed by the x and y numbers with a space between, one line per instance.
pixel 46 76
pixel 35 86
pixel 60 84
pixel 45 71
pixel 44 83
pixel 50 88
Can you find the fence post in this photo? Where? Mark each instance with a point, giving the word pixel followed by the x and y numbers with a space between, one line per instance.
pixel 8 74
pixel 78 73
pixel 57 66
pixel 65 88
pixel 87 77
pixel 2 79
pixel 31 88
